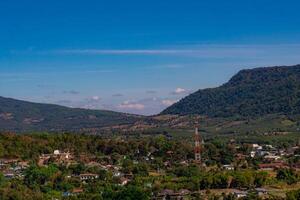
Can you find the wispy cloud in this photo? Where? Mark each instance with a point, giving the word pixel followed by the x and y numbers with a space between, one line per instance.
pixel 124 51
pixel 131 105
pixel 179 91
pixel 151 92
pixel 45 86
pixel 64 102
pixel 73 92
pixel 92 102
pixel 146 106
pixel 33 75
pixel 194 50
pixel 118 95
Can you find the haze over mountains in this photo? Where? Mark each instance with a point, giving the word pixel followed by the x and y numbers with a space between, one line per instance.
pixel 250 93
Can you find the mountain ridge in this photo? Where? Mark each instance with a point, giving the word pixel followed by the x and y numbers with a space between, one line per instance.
pixel 19 115
pixel 249 93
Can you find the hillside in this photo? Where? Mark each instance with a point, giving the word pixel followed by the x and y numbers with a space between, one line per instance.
pixel 250 93
pixel 266 95
pixel 16 115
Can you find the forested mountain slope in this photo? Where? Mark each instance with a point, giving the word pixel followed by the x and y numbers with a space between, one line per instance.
pixel 250 93
pixel 16 115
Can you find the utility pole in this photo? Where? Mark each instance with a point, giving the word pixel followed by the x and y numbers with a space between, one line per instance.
pixel 198 147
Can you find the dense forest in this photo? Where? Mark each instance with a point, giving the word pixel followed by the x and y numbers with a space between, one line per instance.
pixel 250 93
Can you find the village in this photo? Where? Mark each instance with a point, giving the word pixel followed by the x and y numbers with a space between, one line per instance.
pixel 122 170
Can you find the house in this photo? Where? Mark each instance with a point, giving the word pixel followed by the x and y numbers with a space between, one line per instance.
pixel 148 185
pixel 9 161
pixel 56 152
pixel 240 156
pixel 9 174
pixel 77 191
pixel 74 192
pixel 123 181
pixel 228 167
pixel 170 152
pixel 61 157
pixel 128 175
pixel 272 158
pixel 269 146
pixel 262 153
pixel 117 174
pixel 271 166
pixel 165 194
pixel 184 192
pixel 256 146
pixel 23 164
pixel 84 177
pixel 167 164
pixel 296 166
pixel 261 191
pixel 240 194
pixel 94 164
pixel 170 194
pixel 43 159
pixel 57 156
pixel 67 194
pixel 3 166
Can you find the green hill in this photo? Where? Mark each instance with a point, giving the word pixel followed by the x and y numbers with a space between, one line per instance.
pixel 20 116
pixel 250 93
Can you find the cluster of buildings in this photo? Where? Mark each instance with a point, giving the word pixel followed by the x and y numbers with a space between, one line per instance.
pixel 13 168
pixel 270 158
pixel 67 159
pixel 57 157
pixel 273 158
pixel 185 194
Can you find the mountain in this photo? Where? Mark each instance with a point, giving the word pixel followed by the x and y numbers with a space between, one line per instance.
pixel 20 116
pixel 250 93
pixel 267 95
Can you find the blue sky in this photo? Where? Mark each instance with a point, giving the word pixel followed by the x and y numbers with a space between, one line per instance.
pixel 138 56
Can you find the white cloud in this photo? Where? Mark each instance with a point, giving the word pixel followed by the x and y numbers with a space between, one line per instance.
pixel 126 51
pixel 179 90
pixel 168 102
pixel 203 51
pixel 131 105
pixel 95 98
pixel 271 54
pixel 92 102
pixel 147 106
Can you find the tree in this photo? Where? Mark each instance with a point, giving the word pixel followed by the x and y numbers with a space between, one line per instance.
pixel 132 192
pixel 141 169
pixel 293 195
pixel 39 176
pixel 287 175
pixel 2 179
